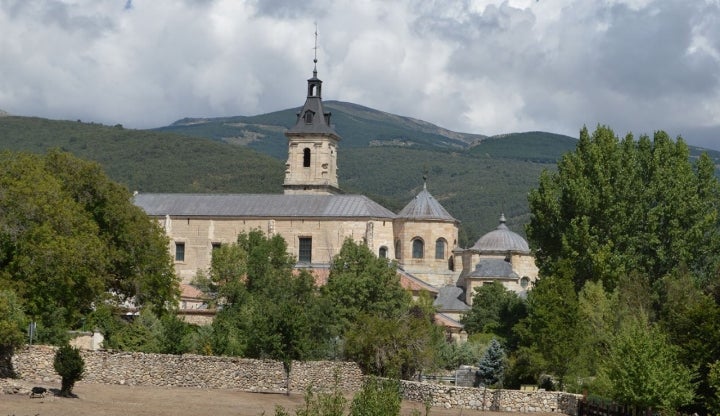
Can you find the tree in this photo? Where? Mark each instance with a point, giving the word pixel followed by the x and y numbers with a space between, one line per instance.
pixel 12 321
pixel 491 368
pixel 361 283
pixel 397 346
pixel 494 310
pixel 70 365
pixel 644 370
pixel 620 206
pixel 551 327
pixel 269 310
pixel 70 238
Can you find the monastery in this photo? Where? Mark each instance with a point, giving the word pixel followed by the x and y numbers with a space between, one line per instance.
pixel 315 217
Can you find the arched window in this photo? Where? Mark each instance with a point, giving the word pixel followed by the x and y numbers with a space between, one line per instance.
pixel 418 248
pixel 383 252
pixel 306 157
pixel 451 263
pixel 308 117
pixel 440 245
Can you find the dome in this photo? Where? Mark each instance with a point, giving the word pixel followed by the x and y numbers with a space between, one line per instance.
pixel 501 240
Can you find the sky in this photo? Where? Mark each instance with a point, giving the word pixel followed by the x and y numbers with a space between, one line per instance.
pixel 474 66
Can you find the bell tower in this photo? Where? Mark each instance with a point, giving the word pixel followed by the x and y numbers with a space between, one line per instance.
pixel 311 167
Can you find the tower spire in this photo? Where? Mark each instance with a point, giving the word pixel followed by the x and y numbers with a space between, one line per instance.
pixel 315 48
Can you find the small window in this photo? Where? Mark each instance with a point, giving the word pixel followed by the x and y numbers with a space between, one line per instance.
pixel 215 246
pixel 179 251
pixel 306 158
pixel 451 263
pixel 383 252
pixel 525 282
pixel 418 248
pixel 308 117
pixel 440 248
pixel 305 250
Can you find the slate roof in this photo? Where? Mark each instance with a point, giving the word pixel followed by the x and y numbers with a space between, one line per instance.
pixel 501 240
pixel 448 299
pixel 425 207
pixel 497 268
pixel 262 206
pixel 313 103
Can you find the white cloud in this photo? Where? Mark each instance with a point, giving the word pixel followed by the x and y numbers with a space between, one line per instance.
pixel 482 66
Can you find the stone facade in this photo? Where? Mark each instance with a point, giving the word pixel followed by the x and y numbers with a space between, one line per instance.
pixel 35 364
pixel 200 235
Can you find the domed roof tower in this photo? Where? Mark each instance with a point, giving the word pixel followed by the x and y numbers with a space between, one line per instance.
pixel 501 240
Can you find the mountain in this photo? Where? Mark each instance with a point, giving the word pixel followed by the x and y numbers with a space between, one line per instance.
pixel 359 127
pixel 381 155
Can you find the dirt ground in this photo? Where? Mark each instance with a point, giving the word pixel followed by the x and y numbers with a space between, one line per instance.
pixel 116 400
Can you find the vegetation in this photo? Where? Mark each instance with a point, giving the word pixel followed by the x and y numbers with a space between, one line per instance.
pixel 491 368
pixel 70 365
pixel 12 322
pixel 377 397
pixel 71 239
pixel 626 238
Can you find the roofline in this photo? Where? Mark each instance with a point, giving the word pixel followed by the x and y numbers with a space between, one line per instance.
pixel 329 218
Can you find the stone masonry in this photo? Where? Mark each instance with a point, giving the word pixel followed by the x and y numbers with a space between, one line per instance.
pixel 35 364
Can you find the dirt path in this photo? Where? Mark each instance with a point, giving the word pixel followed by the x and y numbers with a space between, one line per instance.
pixel 116 400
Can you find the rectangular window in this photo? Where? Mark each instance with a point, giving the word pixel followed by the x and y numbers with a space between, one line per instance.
pixel 215 246
pixel 305 252
pixel 179 251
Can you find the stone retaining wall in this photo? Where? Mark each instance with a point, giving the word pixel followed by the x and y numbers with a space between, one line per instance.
pixel 34 364
pixel 492 400
pixel 134 368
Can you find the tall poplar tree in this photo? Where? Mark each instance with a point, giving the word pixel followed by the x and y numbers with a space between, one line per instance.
pixel 620 206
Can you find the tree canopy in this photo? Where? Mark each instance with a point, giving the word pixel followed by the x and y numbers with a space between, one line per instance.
pixel 626 235
pixel 620 206
pixel 70 238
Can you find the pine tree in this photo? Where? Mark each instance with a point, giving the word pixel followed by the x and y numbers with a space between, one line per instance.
pixel 491 369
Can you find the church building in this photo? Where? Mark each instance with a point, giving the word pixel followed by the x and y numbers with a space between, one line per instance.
pixel 315 217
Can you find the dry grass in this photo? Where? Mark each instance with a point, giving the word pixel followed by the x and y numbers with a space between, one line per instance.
pixel 110 400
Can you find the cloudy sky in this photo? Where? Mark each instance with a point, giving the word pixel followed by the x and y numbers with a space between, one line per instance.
pixel 477 66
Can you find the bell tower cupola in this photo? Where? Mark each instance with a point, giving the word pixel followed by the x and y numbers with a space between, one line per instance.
pixel 311 167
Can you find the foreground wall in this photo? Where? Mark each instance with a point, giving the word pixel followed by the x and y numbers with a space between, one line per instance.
pixel 451 397
pixel 134 368
pixel 34 364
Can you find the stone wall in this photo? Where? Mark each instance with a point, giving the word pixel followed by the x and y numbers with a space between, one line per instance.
pixel 133 368
pixel 34 364
pixel 491 400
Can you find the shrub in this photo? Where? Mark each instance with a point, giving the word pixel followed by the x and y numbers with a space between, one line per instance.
pixel 70 366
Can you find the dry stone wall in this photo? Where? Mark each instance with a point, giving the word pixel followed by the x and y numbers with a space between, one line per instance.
pixel 35 364
pixel 135 368
pixel 451 397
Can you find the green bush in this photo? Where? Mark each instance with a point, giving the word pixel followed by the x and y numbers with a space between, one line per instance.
pixel 378 397
pixel 70 366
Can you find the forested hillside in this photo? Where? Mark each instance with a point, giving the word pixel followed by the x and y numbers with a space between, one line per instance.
pixel 381 155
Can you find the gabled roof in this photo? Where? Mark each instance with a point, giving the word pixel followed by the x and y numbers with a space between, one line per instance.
pixel 425 207
pixel 262 206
